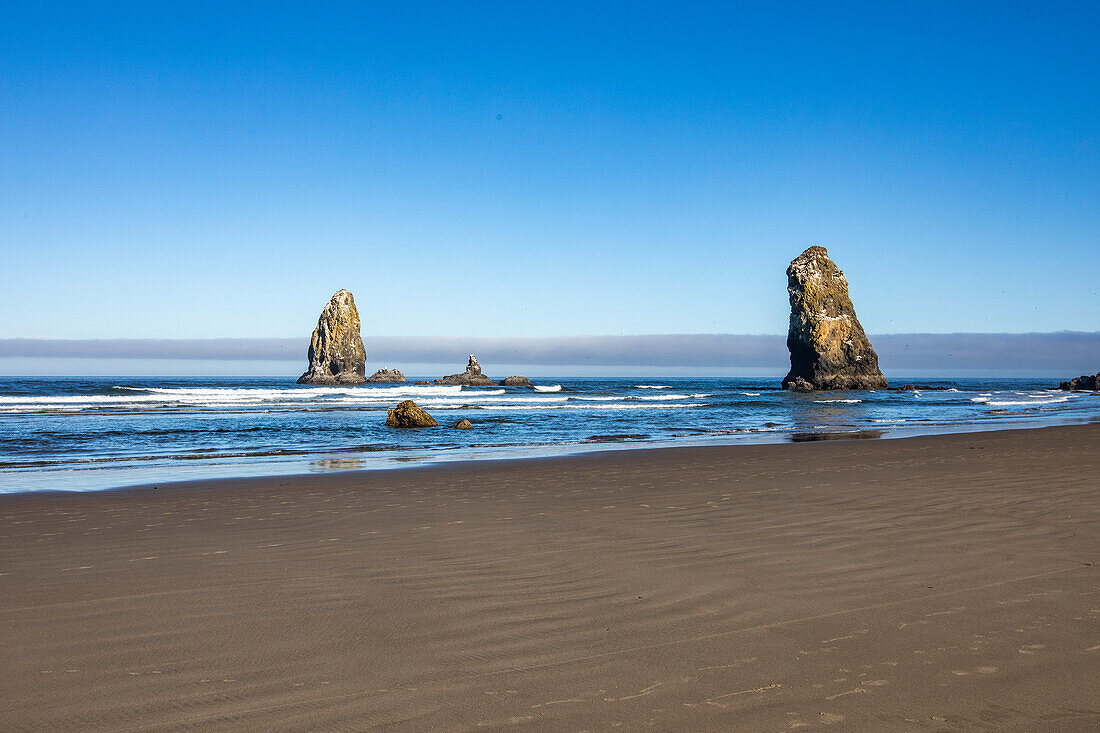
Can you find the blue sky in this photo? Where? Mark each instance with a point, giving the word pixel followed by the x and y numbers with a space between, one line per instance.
pixel 544 169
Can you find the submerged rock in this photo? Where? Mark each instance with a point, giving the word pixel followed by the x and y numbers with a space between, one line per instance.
pixel 829 349
pixel 515 381
pixel 463 424
pixel 408 415
pixel 472 376
pixel 1083 383
pixel 387 375
pixel 336 353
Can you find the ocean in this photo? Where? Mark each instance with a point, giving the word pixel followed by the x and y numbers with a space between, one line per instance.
pixel 85 434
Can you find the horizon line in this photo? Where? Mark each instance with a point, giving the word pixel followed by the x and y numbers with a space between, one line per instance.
pixel 1062 350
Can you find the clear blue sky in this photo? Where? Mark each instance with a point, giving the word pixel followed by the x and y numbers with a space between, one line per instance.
pixel 544 168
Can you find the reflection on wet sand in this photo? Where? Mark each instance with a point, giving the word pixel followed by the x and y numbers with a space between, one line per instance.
pixel 336 464
pixel 854 435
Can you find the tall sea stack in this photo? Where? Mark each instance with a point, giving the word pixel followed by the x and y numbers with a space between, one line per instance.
pixel 336 353
pixel 829 349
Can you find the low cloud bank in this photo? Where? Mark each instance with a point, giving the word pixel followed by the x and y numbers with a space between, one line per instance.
pixel 1068 351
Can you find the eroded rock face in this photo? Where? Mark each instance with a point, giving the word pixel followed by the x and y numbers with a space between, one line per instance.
pixel 829 349
pixel 515 381
pixel 1083 383
pixel 472 376
pixel 336 353
pixel 408 415
pixel 387 375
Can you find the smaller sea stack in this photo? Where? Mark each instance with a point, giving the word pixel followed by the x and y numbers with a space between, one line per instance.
pixel 387 376
pixel 472 376
pixel 336 353
pixel 829 350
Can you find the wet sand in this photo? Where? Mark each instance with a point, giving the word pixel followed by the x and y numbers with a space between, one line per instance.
pixel 936 583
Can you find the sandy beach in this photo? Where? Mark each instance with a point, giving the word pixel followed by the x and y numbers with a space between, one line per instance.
pixel 934 583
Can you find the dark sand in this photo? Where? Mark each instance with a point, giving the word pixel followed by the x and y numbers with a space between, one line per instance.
pixel 938 583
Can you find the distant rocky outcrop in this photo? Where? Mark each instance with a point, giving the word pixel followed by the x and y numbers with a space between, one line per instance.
pixel 387 375
pixel 422 381
pixel 829 350
pixel 408 415
pixel 336 353
pixel 1083 383
pixel 463 424
pixel 472 376
pixel 515 381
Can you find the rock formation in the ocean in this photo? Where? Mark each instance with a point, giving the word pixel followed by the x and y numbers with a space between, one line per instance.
pixel 387 375
pixel 1083 383
pixel 472 376
pixel 515 381
pixel 829 349
pixel 463 424
pixel 408 415
pixel 336 353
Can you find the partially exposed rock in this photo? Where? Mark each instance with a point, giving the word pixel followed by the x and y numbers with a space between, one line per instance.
pixel 463 424
pixel 829 349
pixel 472 376
pixel 408 415
pixel 422 381
pixel 1083 383
pixel 387 375
pixel 798 384
pixel 515 381
pixel 336 353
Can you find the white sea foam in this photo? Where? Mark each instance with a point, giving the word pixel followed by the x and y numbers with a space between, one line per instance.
pixel 661 397
pixel 601 406
pixel 847 402
pixel 751 394
pixel 653 386
pixel 1034 402
pixel 551 388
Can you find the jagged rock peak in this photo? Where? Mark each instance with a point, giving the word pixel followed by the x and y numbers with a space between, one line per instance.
pixel 472 376
pixel 336 353
pixel 829 349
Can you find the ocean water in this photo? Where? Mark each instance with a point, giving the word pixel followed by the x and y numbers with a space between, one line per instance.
pixel 83 434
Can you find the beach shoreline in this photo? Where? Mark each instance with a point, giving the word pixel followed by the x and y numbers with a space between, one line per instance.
pixel 942 582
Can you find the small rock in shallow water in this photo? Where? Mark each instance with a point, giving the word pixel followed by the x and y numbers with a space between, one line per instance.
pixel 463 424
pixel 408 415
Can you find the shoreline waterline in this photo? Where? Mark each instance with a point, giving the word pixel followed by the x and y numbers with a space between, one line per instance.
pixel 89 434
